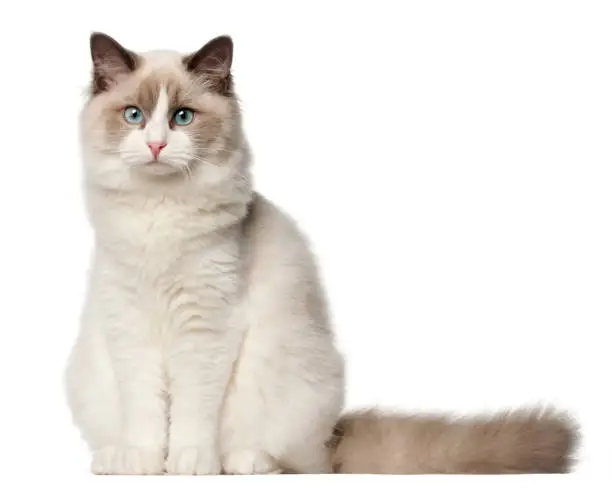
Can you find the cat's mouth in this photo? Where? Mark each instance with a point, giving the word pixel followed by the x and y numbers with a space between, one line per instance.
pixel 158 168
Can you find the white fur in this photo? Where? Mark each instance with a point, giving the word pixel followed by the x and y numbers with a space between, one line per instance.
pixel 205 342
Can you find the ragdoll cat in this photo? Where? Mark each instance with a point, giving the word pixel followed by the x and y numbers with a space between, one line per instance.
pixel 205 344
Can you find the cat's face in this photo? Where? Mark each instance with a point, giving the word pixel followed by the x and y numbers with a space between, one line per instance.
pixel 160 116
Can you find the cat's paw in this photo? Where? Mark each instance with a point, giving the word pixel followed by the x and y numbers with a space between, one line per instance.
pixel 250 462
pixel 193 461
pixel 128 461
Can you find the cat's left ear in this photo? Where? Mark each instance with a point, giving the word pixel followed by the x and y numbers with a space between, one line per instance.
pixel 111 62
pixel 214 63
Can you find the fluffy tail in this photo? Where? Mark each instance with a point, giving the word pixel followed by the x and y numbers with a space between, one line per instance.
pixel 519 442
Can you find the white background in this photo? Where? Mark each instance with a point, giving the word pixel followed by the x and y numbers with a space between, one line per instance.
pixel 450 161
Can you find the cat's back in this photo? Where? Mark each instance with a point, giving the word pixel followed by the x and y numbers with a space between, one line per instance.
pixel 281 269
pixel 274 240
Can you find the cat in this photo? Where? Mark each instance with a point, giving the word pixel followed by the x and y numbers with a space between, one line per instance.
pixel 205 344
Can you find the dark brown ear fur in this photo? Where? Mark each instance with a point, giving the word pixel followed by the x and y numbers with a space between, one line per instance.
pixel 110 62
pixel 214 62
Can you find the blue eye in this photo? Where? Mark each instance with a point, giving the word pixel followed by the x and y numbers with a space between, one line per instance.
pixel 133 115
pixel 183 116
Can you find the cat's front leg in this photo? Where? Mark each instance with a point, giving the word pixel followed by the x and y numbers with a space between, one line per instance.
pixel 141 444
pixel 199 368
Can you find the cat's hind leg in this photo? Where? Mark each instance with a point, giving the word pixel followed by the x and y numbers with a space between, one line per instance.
pixel 285 396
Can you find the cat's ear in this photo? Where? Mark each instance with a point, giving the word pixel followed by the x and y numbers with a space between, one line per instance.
pixel 111 61
pixel 214 63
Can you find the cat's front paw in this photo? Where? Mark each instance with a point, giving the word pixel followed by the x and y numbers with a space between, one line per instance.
pixel 128 461
pixel 193 461
pixel 250 462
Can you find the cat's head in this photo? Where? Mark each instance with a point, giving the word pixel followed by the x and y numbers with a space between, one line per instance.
pixel 161 118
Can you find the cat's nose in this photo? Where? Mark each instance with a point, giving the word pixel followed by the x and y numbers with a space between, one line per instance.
pixel 156 148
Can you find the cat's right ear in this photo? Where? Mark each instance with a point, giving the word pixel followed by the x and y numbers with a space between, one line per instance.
pixel 111 62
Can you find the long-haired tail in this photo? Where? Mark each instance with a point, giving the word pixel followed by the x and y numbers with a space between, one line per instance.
pixel 526 441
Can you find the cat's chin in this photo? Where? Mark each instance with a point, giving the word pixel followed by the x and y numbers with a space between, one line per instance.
pixel 158 169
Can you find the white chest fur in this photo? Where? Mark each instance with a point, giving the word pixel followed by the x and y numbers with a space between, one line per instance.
pixel 166 264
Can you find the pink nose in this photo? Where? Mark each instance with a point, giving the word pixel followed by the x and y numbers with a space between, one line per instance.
pixel 156 148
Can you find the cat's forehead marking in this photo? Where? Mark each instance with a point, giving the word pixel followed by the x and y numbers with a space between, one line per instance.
pixel 160 69
pixel 158 122
pixel 150 89
pixel 162 106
